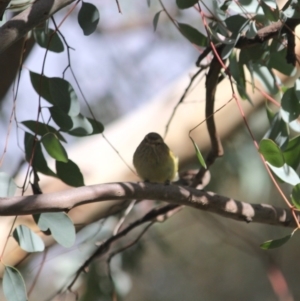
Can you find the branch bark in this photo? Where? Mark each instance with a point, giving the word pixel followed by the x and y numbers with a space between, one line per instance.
pixel 180 195
pixel 22 23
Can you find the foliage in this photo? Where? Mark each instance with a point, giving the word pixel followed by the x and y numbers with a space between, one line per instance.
pixel 232 35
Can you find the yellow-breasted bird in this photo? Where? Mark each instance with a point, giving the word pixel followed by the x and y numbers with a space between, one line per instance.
pixel 154 161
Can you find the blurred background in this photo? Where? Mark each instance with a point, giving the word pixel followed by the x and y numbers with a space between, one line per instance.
pixel 132 78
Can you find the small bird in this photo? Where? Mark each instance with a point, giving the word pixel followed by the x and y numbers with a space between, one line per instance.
pixel 154 161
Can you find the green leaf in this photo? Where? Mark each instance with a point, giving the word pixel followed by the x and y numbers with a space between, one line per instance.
pixel 13 285
pixel 193 35
pixel 291 9
pixel 237 71
pixel 270 10
pixel 88 18
pixel 295 125
pixel 98 127
pixel 266 77
pixel 271 152
pixel 227 50
pixel 39 162
pixel 219 35
pixel 49 39
pixel 41 85
pixel 252 30
pixel 253 54
pixel 199 155
pixel 292 153
pixel 61 227
pixel 296 196
pixel 236 23
pixel 278 61
pixel 270 114
pixel 54 148
pixel 28 240
pixel 290 105
pixel 278 132
pixel 7 185
pixel 81 126
pixel 286 173
pixel 41 129
pixel 64 96
pixel 277 45
pixel 183 4
pixel 56 91
pixel 61 118
pixel 155 19
pixel 275 243
pixel 69 173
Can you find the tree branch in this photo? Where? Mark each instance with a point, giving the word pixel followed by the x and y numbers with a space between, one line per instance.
pixel 216 144
pixel 3 6
pixel 22 23
pixel 180 195
pixel 154 215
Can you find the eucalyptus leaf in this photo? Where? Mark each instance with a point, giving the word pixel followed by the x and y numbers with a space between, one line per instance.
pixel 34 154
pixel 252 54
pixel 286 173
pixel 278 131
pixel 271 152
pixel 290 105
pixel 275 243
pixel 41 85
pixel 28 240
pixel 266 77
pixel 237 71
pixel 54 148
pixel 295 125
pixel 61 118
pixel 81 126
pixel 236 23
pixel 98 127
pixel 155 19
pixel 49 39
pixel 278 61
pixel 41 129
pixel 64 96
pixel 270 9
pixel 252 30
pixel 193 35
pixel 57 91
pixel 60 225
pixel 296 196
pixel 291 9
pixel 88 18
pixel 69 173
pixel 199 155
pixel 13 285
pixel 292 152
pixel 183 4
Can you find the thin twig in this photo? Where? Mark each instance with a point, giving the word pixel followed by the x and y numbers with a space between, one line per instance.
pixel 104 247
pixel 181 100
pixel 114 253
pixel 119 7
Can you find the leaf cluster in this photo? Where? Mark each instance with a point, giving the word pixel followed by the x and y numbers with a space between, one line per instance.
pixel 266 48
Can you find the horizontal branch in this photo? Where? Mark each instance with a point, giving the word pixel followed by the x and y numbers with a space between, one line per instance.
pixel 266 33
pixel 21 24
pixel 181 195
